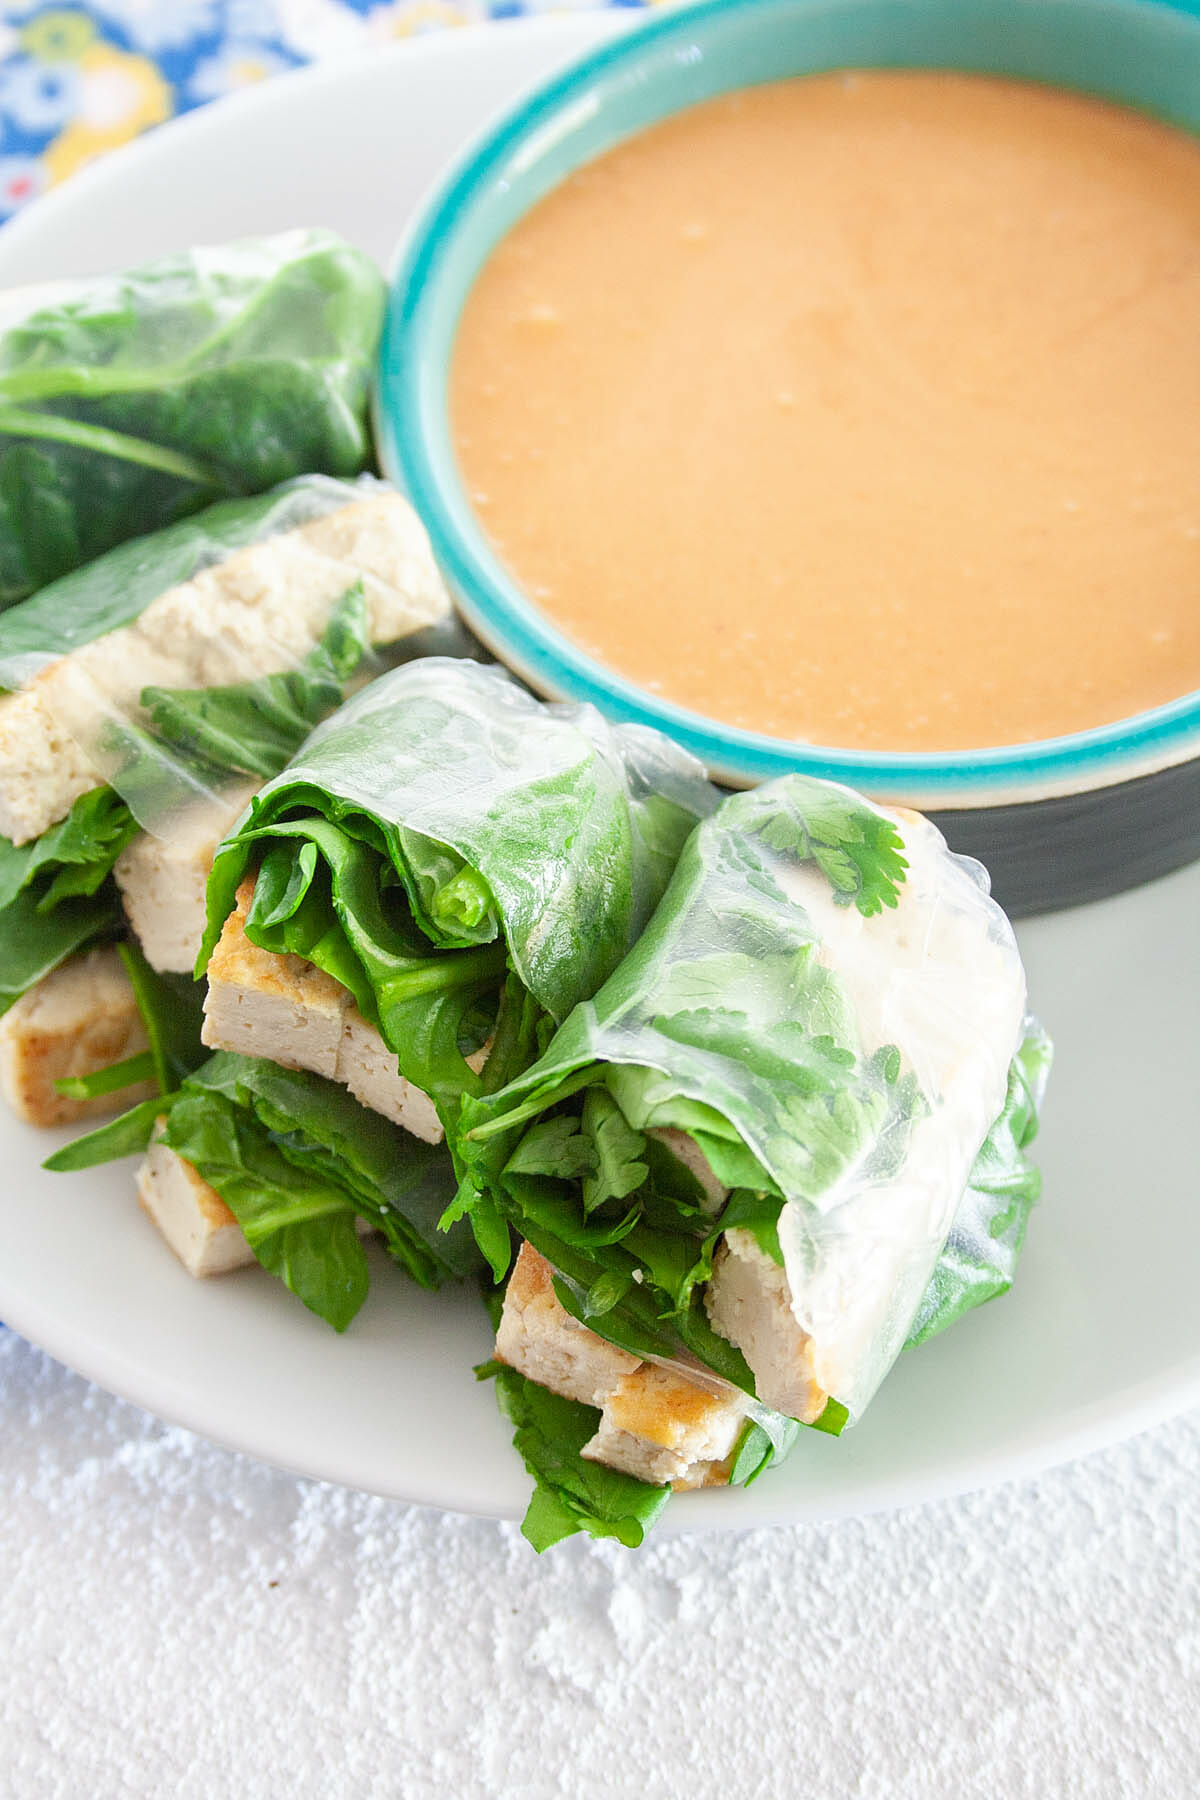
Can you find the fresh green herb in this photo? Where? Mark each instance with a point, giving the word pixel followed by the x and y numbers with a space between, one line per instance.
pixel 757 1214
pixel 454 853
pixel 126 1135
pixel 56 895
pixel 172 1010
pixel 298 1161
pixel 617 1151
pixel 571 1494
pixel 301 1228
pixel 131 1072
pixel 980 1255
pixel 857 849
pixel 71 859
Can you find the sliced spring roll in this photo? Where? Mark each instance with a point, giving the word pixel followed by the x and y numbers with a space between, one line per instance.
pixel 602 1433
pixel 162 683
pixel 441 872
pixel 127 401
pixel 788 1133
pixel 442 843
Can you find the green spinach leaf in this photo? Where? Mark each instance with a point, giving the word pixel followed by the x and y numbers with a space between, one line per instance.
pixel 979 1258
pixel 56 893
pixel 129 401
pixel 570 1493
pixel 255 727
pixel 452 852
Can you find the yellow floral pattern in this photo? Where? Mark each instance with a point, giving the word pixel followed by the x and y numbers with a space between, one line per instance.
pixel 76 80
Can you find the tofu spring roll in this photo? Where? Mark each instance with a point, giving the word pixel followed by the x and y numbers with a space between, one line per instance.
pixel 451 865
pixel 158 686
pixel 786 1137
pixel 399 919
pixel 130 400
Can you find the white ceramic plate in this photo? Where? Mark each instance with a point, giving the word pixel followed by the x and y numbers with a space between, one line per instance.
pixel 1102 1335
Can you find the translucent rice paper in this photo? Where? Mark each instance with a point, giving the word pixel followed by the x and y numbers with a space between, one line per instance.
pixel 861 1055
pixel 574 823
pixel 117 587
pixel 131 399
pixel 939 977
pixel 240 592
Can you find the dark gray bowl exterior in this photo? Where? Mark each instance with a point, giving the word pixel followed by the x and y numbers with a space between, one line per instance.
pixel 1047 854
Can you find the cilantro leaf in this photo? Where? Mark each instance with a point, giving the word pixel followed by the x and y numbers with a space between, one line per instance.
pixel 56 893
pixel 857 849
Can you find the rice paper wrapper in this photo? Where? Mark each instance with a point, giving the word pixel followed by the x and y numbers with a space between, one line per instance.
pixel 575 824
pixel 860 1051
pixel 939 978
pixel 134 398
pixel 319 575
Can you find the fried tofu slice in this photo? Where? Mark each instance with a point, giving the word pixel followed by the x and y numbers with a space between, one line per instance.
pixel 191 1215
pixel 749 1303
pixel 163 882
pixel 654 1422
pixel 286 1011
pixel 538 1337
pixel 80 1018
pixel 661 1427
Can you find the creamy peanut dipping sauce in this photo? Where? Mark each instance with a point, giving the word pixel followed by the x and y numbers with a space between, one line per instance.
pixel 862 409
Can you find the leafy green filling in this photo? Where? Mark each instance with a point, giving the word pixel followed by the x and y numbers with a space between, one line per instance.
pixel 977 1264
pixel 570 1493
pixel 256 727
pixel 298 1161
pixel 138 398
pixel 56 893
pixel 632 1239
pixel 446 837
pixel 172 1011
pixel 979 1258
pixel 753 1055
pixel 328 893
pixel 117 588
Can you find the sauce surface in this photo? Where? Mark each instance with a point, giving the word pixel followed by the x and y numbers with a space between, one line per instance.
pixel 862 409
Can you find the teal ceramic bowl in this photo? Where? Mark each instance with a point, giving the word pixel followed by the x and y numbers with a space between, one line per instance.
pixel 1058 821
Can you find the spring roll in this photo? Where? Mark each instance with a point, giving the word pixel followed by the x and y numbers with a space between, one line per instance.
pixel 449 865
pixel 130 400
pixel 444 869
pixel 788 1135
pixel 161 684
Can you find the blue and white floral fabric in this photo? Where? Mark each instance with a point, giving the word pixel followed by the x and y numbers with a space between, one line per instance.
pixel 77 80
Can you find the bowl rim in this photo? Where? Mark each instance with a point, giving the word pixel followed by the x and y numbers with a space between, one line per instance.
pixel 409 420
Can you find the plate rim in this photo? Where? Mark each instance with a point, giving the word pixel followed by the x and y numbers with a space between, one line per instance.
pixel 1125 1412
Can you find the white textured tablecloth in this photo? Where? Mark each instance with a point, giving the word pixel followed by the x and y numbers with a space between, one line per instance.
pixel 179 1621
